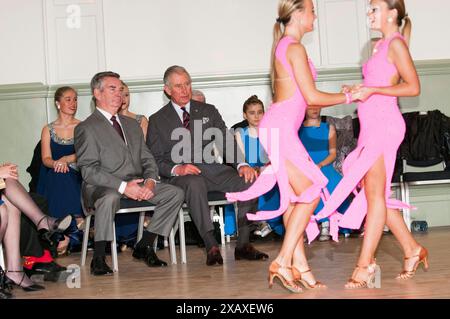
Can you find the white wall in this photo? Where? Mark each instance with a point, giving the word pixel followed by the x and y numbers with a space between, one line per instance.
pixel 431 29
pixel 22 54
pixel 140 38
pixel 206 36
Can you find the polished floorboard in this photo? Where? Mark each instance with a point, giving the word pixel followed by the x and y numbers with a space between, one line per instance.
pixel 331 262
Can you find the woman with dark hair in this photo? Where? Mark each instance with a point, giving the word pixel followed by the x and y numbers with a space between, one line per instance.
pixel 319 139
pixel 368 170
pixel 59 179
pixel 248 142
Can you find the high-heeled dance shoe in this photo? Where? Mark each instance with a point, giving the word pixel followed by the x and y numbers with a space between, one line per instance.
pixel 4 288
pixel 33 287
pixel 423 259
pixel 299 280
pixel 58 226
pixel 372 281
pixel 274 272
pixel 45 235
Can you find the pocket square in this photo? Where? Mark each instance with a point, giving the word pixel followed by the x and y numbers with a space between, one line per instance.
pixel 205 120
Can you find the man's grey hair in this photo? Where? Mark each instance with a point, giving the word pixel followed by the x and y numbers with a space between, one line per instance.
pixel 97 81
pixel 175 69
pixel 199 93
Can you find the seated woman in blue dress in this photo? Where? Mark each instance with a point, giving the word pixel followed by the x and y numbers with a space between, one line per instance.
pixel 248 141
pixel 59 179
pixel 319 139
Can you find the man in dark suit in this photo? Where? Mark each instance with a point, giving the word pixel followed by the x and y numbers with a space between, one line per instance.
pixel 115 162
pixel 180 137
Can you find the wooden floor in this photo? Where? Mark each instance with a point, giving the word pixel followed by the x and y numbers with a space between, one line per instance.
pixel 332 263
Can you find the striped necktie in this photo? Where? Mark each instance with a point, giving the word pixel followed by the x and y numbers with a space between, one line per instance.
pixel 186 118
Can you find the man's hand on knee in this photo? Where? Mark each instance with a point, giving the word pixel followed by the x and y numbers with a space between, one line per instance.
pixel 133 190
pixel 187 169
pixel 248 173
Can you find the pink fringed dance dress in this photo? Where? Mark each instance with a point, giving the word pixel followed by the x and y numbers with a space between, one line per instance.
pixel 278 133
pixel 382 132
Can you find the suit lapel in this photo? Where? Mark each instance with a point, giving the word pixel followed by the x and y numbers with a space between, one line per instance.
pixel 125 129
pixel 172 116
pixel 130 141
pixel 196 109
pixel 109 128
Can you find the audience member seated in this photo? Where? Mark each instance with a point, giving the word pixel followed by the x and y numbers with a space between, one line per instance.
pixel 59 180
pixel 36 259
pixel 347 131
pixel 319 139
pixel 115 162
pixel 248 141
pixel 198 96
pixel 126 225
pixel 15 199
pixel 180 122
pixel 125 110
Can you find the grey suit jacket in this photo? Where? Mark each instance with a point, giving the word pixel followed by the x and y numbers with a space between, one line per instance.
pixel 202 117
pixel 104 158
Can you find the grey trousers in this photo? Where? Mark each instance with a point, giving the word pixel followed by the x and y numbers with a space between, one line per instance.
pixel 220 178
pixel 106 201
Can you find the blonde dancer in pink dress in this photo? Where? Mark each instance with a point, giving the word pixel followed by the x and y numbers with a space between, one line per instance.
pixel 300 181
pixel 369 168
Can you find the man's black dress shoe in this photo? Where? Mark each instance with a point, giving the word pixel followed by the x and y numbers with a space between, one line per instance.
pixel 147 253
pixel 214 257
pixel 247 251
pixel 99 267
pixel 51 271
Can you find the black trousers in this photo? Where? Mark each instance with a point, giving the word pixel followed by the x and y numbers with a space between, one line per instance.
pixel 215 177
pixel 29 240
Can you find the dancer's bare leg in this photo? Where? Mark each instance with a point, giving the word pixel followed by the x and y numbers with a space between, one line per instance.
pixel 374 184
pixel 295 219
pixel 409 245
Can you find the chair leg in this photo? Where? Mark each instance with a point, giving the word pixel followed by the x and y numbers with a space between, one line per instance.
pixel 222 226
pixel 114 249
pixel 407 211
pixel 182 237
pixel 85 239
pixel 173 253
pixel 236 218
pixel 2 258
pixel 155 243
pixel 141 225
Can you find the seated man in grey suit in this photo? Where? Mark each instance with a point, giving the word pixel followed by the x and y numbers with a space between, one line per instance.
pixel 115 162
pixel 193 171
